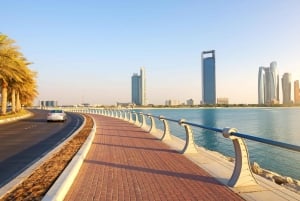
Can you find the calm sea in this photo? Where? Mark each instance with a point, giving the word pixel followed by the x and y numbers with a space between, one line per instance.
pixel 280 124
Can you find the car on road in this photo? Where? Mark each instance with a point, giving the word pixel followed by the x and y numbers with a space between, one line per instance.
pixel 56 115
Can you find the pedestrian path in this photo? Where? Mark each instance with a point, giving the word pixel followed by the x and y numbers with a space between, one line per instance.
pixel 127 163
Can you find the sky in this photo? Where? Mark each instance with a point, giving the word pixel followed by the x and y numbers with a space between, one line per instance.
pixel 86 51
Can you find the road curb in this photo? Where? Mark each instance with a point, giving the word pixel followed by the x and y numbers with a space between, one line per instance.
pixel 62 185
pixel 12 119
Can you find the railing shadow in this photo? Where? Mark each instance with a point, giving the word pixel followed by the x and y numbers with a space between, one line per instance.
pixel 139 148
pixel 195 177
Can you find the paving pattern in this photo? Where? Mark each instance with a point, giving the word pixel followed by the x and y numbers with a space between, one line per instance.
pixel 127 163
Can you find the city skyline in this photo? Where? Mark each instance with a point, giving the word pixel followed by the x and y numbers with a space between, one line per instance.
pixel 268 84
pixel 84 52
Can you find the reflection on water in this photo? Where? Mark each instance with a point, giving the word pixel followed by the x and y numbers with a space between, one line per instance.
pixel 207 138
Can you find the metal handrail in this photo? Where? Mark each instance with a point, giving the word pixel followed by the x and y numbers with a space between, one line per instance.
pixel 251 137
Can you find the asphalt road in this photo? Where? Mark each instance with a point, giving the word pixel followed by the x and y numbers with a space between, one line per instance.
pixel 25 141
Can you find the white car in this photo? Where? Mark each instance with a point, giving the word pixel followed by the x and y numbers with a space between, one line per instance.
pixel 56 115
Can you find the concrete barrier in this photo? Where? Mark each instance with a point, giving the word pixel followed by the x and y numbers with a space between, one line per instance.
pixel 62 185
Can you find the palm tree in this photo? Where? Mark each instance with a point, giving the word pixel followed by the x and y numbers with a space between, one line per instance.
pixel 14 74
pixel 26 87
pixel 26 92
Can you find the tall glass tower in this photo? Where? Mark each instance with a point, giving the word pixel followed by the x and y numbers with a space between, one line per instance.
pixel 286 82
pixel 296 92
pixel 138 88
pixel 268 84
pixel 208 77
pixel 142 86
pixel 261 85
pixel 135 89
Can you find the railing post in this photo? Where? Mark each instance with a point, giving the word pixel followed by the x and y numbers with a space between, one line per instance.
pixel 167 132
pixel 130 117
pixel 137 122
pixel 242 174
pixel 125 115
pixel 111 113
pixel 144 124
pixel 120 114
pixel 189 146
pixel 153 126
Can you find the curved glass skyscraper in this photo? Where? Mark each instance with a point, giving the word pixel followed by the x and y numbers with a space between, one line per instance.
pixel 261 85
pixel 208 77
pixel 268 84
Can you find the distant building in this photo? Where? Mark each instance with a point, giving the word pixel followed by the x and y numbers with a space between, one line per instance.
pixel 286 82
pixel 124 105
pixel 268 84
pixel 190 102
pixel 172 102
pixel 48 103
pixel 85 104
pixel 135 89
pixel 208 77
pixel 296 92
pixel 223 101
pixel 138 88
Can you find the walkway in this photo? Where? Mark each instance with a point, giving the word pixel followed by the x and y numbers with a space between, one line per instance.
pixel 127 163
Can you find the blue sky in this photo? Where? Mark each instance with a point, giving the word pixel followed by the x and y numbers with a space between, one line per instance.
pixel 87 51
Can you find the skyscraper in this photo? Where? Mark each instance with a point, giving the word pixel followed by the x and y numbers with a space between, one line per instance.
pixel 135 89
pixel 208 77
pixel 143 86
pixel 138 88
pixel 261 85
pixel 286 82
pixel 296 92
pixel 268 84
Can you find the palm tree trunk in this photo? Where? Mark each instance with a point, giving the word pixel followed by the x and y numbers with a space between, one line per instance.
pixel 13 100
pixel 3 97
pixel 18 102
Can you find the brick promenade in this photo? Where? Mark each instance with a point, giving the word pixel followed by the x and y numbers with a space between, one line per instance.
pixel 127 163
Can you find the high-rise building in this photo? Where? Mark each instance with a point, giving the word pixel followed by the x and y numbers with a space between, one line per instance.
pixel 268 84
pixel 208 77
pixel 261 85
pixel 135 89
pixel 274 82
pixel 296 92
pixel 143 86
pixel 286 82
pixel 138 88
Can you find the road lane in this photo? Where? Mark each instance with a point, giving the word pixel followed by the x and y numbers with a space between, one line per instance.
pixel 25 141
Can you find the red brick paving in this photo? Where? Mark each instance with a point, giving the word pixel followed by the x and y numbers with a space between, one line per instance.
pixel 127 163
